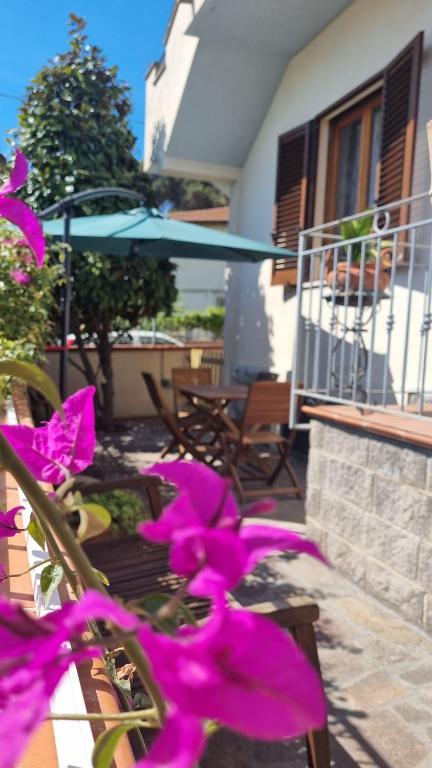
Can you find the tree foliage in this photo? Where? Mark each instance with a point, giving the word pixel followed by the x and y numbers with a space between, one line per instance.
pixel 211 319
pixel 74 130
pixel 25 308
pixel 186 194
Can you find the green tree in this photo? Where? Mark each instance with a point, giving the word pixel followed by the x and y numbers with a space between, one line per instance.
pixel 114 293
pixel 74 130
pixel 186 194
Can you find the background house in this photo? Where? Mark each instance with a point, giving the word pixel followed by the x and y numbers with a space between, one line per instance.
pixel 202 284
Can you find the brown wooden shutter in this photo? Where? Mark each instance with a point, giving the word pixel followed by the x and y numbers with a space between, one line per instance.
pixel 293 198
pixel 400 99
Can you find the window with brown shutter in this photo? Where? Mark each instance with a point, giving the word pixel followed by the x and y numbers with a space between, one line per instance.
pixel 292 186
pixel 374 137
pixel 401 87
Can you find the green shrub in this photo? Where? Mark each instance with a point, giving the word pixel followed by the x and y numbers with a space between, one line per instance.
pixel 210 319
pixel 25 310
pixel 126 508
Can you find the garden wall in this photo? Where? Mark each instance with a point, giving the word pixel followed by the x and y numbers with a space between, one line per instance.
pixel 369 505
pixel 131 399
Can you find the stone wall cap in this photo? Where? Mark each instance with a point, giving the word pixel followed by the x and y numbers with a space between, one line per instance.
pixel 391 425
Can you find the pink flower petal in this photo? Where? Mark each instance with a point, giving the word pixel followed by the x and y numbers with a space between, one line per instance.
pixel 23 441
pixel 177 517
pixel 180 744
pixel 209 493
pixel 79 427
pixel 18 175
pixel 62 444
pixel 96 606
pixel 262 540
pixel 34 657
pixel 8 526
pixel 261 507
pixel 248 675
pixel 19 719
pixel 215 559
pixel 19 214
pixel 23 278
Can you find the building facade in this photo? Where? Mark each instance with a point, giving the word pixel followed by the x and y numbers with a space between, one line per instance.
pixel 289 108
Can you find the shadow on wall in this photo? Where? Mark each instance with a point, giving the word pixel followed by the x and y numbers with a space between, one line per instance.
pixel 248 327
pixel 326 361
pixel 158 143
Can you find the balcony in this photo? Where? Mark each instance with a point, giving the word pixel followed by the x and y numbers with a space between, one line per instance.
pixel 208 96
pixel 364 312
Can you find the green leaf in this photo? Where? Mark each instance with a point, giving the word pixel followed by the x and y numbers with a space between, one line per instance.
pixel 101 576
pixel 51 577
pixel 94 520
pixel 151 604
pixel 35 530
pixel 123 684
pixel 106 743
pixel 141 701
pixel 34 377
pixel 187 615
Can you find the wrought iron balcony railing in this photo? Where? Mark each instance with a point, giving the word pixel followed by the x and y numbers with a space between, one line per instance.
pixel 364 311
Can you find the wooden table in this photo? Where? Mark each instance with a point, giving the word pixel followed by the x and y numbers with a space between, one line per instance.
pixel 217 398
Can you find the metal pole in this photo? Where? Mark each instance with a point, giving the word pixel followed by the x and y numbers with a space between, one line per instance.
pixel 65 305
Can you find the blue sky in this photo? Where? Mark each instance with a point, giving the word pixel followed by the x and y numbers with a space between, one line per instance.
pixel 130 32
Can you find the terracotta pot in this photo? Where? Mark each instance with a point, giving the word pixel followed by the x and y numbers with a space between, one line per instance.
pixel 353 283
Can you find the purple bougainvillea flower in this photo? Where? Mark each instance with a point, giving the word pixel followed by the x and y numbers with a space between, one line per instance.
pixel 18 175
pixel 18 213
pixel 34 657
pixel 3 574
pixel 8 526
pixel 21 277
pixel 63 445
pixel 242 670
pixel 209 543
pixel 179 745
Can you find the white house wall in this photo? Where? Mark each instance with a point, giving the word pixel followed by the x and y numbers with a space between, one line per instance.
pixel 162 103
pixel 360 42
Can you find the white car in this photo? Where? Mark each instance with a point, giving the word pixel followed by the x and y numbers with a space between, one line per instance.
pixel 137 336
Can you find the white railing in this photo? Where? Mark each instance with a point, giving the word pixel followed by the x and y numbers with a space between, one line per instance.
pixel 364 311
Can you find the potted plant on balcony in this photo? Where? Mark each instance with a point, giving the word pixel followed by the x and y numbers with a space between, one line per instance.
pixel 350 230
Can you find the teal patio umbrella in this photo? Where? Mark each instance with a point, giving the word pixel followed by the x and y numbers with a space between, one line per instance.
pixel 147 232
pixel 143 232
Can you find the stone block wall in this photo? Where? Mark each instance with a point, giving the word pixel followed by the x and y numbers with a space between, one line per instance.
pixel 369 506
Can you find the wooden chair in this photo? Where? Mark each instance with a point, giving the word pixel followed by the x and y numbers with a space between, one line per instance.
pixel 267 405
pixel 182 377
pixel 136 568
pixel 186 432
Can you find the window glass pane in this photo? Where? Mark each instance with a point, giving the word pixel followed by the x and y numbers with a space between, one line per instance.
pixel 375 152
pixel 348 169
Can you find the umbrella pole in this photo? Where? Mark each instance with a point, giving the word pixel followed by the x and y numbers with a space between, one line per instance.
pixel 65 305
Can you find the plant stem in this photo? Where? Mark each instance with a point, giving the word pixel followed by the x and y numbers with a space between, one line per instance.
pixel 148 716
pixel 32 567
pixel 54 547
pixel 49 514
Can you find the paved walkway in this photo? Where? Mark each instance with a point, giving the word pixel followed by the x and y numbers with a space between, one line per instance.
pixel 377 668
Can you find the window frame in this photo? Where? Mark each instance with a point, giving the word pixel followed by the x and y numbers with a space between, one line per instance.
pixel 362 109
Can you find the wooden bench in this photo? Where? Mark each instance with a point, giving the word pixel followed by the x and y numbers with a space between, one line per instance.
pixel 136 568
